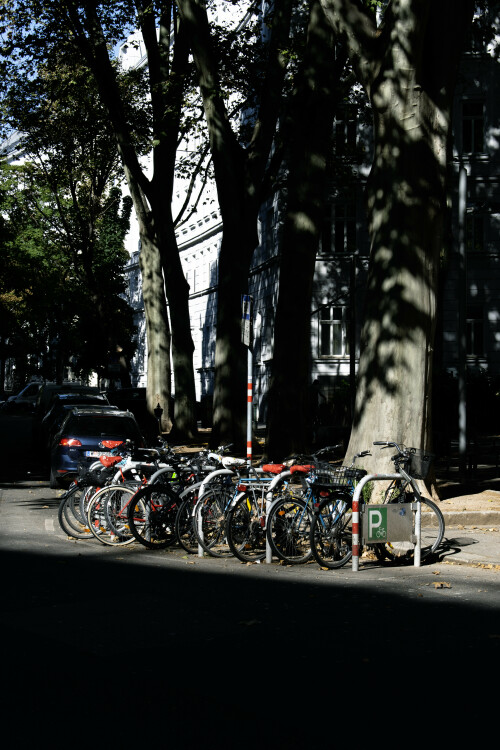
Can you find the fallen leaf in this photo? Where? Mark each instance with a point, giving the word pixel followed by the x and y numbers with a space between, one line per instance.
pixel 442 585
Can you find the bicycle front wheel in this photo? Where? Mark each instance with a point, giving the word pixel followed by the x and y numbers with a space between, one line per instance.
pixel 69 516
pixel 209 521
pixel 331 531
pixel 432 529
pixel 288 530
pixel 246 535
pixel 107 515
pixel 184 524
pixel 152 515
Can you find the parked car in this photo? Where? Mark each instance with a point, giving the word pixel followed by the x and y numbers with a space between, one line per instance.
pixel 24 400
pixel 62 404
pixel 46 397
pixel 78 442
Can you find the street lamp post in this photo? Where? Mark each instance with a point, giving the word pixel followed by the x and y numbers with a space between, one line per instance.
pixel 158 414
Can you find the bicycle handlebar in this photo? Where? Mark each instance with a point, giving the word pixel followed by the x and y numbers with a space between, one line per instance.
pixel 388 444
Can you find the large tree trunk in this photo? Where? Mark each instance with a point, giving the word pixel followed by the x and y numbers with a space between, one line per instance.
pixel 230 391
pixel 177 290
pixel 239 174
pixel 408 68
pixel 152 199
pixel 289 415
pixel 157 331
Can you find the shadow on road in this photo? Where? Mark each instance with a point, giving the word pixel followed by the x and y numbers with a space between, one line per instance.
pixel 205 657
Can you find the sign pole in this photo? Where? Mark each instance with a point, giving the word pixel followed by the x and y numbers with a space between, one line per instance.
pixel 247 338
pixel 249 406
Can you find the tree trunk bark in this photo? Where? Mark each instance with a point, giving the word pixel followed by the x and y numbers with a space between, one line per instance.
pixel 411 94
pixel 289 416
pixel 157 331
pixel 230 393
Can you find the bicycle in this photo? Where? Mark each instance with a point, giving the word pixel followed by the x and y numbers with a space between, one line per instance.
pixel 331 524
pixel 221 501
pixel 109 515
pixel 268 509
pixel 413 465
pixel 157 517
pixel 289 517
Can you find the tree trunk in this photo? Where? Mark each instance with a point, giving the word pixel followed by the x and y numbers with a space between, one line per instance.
pixel 289 415
pixel 408 67
pixel 157 331
pixel 177 290
pixel 239 175
pixel 230 392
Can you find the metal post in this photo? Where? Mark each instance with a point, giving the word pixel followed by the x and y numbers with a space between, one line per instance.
pixel 247 339
pixel 462 316
pixel 418 535
pixel 249 406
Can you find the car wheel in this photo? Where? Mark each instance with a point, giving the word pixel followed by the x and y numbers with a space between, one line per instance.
pixel 54 482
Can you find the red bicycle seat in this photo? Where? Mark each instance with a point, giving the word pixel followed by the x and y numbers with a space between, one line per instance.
pixel 108 461
pixel 301 469
pixel 273 468
pixel 111 443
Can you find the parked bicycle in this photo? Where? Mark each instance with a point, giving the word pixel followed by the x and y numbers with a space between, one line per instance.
pixel 412 464
pixel 331 526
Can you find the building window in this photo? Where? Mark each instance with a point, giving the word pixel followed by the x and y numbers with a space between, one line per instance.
pixel 475 233
pixel 191 279
pixel 333 335
pixel 213 273
pixel 475 331
pixel 345 131
pixel 472 127
pixel 345 226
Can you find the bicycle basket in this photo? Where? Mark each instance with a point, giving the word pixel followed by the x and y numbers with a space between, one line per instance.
pixel 337 476
pixel 419 463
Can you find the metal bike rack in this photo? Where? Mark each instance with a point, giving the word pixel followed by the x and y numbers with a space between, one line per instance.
pixel 402 527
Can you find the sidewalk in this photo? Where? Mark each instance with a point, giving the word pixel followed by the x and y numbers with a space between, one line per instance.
pixel 472 531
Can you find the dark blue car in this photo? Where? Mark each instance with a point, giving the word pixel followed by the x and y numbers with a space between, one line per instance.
pixel 78 441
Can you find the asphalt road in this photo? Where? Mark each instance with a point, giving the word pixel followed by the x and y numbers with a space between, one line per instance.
pixel 124 645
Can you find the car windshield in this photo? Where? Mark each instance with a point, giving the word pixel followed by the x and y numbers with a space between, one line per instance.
pixel 88 426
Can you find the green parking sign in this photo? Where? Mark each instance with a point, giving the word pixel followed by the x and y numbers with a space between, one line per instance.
pixel 376 524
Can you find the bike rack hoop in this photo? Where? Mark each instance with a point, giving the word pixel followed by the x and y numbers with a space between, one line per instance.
pixel 355 518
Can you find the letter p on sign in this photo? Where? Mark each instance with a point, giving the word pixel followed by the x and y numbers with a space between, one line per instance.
pixel 377 524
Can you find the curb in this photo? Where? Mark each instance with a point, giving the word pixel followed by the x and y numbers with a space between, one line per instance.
pixel 472 518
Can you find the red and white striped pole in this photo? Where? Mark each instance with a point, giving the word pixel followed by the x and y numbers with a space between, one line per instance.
pixel 355 529
pixel 247 338
pixel 249 408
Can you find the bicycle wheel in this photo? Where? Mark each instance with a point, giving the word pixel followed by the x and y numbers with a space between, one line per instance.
pixel 107 515
pixel 152 515
pixel 432 529
pixel 432 526
pixel 245 528
pixel 331 531
pixel 69 520
pixel 184 530
pixel 209 521
pixel 288 530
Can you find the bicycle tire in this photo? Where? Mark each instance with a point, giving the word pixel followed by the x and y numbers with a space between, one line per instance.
pixel 246 534
pixel 68 521
pixel 289 530
pixel 184 524
pixel 331 531
pixel 107 515
pixel 152 516
pixel 431 530
pixel 209 521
